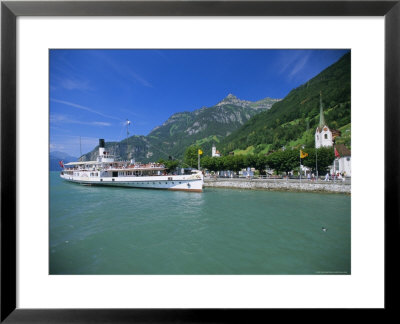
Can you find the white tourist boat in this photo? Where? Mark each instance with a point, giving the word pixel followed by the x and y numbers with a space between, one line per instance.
pixel 106 171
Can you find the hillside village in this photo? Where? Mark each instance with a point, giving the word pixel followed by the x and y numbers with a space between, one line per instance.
pixel 325 138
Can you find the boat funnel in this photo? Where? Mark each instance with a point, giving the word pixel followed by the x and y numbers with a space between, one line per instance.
pixel 101 147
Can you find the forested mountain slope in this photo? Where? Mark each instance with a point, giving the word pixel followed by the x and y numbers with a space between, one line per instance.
pixel 292 121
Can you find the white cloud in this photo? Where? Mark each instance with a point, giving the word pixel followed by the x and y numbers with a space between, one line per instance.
pixel 55 118
pixel 100 123
pixel 138 78
pixel 125 71
pixel 299 65
pixel 71 104
pixel 294 62
pixel 56 147
pixel 72 84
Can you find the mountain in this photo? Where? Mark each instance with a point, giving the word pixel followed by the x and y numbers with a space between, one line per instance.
pixel 203 126
pixel 57 156
pixel 261 104
pixel 292 121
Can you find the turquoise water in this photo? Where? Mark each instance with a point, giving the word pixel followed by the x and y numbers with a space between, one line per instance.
pixel 99 230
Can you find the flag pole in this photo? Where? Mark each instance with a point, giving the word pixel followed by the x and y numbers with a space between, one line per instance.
pixel 334 170
pixel 316 161
pixel 300 167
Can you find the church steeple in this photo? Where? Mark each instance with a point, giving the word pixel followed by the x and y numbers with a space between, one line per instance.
pixel 321 112
pixel 323 135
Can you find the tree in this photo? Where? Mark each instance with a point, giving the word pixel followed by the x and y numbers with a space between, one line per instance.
pixel 191 156
pixel 170 165
pixel 261 163
pixel 251 160
pixel 240 161
pixel 283 160
pixel 326 156
pixel 206 162
pixel 233 162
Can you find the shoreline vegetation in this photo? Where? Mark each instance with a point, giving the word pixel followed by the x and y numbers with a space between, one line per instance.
pixel 280 185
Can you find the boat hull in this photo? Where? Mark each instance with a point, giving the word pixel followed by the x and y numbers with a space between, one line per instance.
pixel 191 183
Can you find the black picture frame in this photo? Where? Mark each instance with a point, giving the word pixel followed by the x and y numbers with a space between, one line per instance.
pixel 10 10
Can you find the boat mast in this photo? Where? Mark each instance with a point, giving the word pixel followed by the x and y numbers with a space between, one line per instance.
pixel 127 134
pixel 127 128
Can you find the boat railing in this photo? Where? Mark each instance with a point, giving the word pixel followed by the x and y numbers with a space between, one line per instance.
pixel 116 167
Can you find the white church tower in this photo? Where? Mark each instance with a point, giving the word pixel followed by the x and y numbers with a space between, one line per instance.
pixel 214 151
pixel 323 135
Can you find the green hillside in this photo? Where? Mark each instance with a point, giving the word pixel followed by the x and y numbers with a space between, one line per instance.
pixel 202 127
pixel 292 121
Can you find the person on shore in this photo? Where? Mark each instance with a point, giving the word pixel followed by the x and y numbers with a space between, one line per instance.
pixel 344 176
pixel 313 177
pixel 327 176
pixel 308 177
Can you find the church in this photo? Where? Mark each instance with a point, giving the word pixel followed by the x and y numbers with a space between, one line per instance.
pixel 325 137
pixel 215 152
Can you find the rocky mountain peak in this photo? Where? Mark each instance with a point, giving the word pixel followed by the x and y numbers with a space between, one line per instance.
pixel 231 99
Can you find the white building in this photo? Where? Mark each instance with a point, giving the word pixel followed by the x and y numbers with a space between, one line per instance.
pixel 342 163
pixel 323 137
pixel 215 152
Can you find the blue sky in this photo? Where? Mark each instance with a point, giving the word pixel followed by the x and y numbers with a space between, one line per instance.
pixel 93 92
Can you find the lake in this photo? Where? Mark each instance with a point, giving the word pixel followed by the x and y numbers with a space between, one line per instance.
pixel 110 230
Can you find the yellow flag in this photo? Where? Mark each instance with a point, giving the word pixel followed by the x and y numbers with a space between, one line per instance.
pixel 200 152
pixel 303 154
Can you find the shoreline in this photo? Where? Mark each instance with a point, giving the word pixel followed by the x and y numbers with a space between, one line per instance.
pixel 279 185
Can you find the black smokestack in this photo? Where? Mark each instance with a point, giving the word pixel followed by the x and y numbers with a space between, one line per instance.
pixel 101 142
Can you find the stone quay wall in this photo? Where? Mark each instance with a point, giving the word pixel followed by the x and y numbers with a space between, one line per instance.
pixel 279 185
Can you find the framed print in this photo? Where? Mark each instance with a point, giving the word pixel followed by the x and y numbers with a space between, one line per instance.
pixel 71 69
